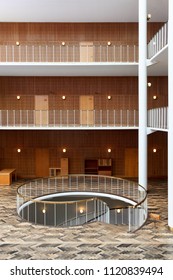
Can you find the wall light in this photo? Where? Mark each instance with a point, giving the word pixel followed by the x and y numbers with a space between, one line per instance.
pixel 81 210
pixel 109 97
pixel 19 150
pixel 17 43
pixel 154 97
pixel 64 150
pixel 63 43
pixel 154 150
pixel 109 43
pixel 118 210
pixel 18 97
pixel 148 17
pixel 109 150
pixel 149 84
pixel 44 211
pixel 63 97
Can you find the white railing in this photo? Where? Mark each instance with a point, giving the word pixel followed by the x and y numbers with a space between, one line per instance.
pixel 159 41
pixel 69 52
pixel 68 118
pixel 158 118
pixel 34 201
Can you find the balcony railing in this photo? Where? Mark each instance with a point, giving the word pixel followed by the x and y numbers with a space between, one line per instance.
pixel 69 52
pixel 68 118
pixel 34 201
pixel 159 41
pixel 158 118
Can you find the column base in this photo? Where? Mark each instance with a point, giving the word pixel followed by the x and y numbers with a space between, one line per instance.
pixel 170 228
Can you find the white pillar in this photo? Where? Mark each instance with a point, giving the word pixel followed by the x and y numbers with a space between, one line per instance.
pixel 142 95
pixel 170 117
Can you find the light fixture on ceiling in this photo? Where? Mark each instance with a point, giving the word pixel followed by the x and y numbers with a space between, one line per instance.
pixel 109 97
pixel 63 43
pixel 109 43
pixel 44 211
pixel 19 150
pixel 154 150
pixel 17 43
pixel 149 84
pixel 118 211
pixel 64 150
pixel 81 210
pixel 63 97
pixel 154 97
pixel 18 97
pixel 109 150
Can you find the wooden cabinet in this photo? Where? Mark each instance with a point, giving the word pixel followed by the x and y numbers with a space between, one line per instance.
pixel 54 171
pixel 105 167
pixel 59 171
pixel 98 166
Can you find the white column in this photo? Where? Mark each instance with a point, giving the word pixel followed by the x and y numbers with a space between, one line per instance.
pixel 170 117
pixel 142 95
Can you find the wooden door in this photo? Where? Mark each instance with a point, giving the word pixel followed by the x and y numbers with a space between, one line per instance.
pixel 42 162
pixel 86 51
pixel 41 110
pixel 86 109
pixel 64 166
pixel 131 162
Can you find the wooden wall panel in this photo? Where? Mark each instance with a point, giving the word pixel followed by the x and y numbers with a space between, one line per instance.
pixel 159 87
pixel 80 145
pixel 28 32
pixel 72 88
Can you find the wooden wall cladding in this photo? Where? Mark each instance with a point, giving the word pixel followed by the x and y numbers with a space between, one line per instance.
pixel 41 32
pixel 122 89
pixel 159 88
pixel 80 145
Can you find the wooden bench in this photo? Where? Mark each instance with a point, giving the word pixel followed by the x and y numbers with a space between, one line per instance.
pixel 6 176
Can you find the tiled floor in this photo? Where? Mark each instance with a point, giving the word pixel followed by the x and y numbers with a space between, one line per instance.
pixel 22 240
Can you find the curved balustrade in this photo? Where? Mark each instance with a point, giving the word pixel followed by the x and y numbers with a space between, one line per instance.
pixel 67 52
pixel 68 118
pixel 33 200
pixel 158 118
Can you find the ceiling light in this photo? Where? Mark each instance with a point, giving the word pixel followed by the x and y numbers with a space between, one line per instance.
pixel 63 43
pixel 109 97
pixel 154 150
pixel 64 150
pixel 149 84
pixel 154 97
pixel 109 150
pixel 44 211
pixel 109 43
pixel 118 210
pixel 19 150
pixel 81 210
pixel 18 97
pixel 17 43
pixel 63 97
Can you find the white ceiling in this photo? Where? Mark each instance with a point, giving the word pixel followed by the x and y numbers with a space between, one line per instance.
pixel 79 10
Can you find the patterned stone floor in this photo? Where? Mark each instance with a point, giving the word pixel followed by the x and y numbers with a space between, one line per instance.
pixel 96 241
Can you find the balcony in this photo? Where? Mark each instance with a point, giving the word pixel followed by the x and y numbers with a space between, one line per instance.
pixel 68 59
pixel 158 119
pixel 67 119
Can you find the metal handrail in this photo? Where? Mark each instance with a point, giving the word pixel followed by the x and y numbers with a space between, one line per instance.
pixel 159 41
pixel 67 52
pixel 33 192
pixel 68 118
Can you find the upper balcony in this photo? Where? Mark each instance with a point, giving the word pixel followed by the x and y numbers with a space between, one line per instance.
pixel 158 53
pixel 68 59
